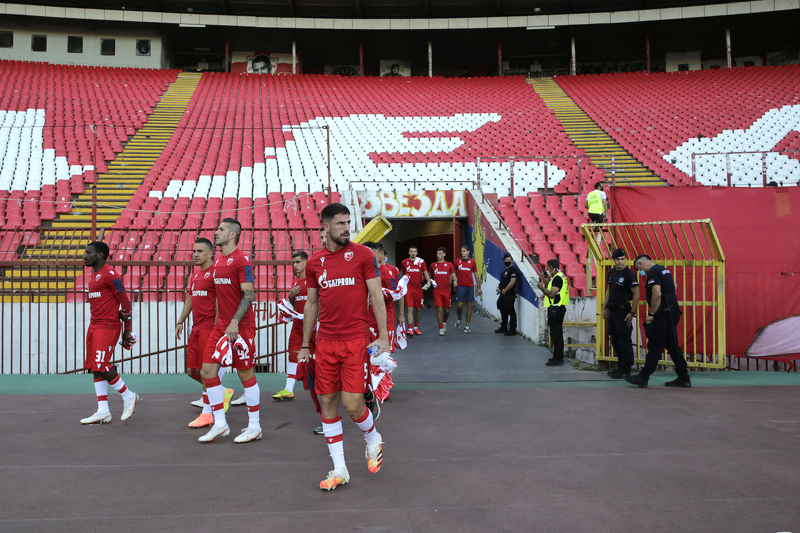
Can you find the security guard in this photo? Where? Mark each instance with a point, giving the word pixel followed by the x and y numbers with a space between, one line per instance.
pixel 597 204
pixel 556 299
pixel 661 324
pixel 507 295
pixel 623 285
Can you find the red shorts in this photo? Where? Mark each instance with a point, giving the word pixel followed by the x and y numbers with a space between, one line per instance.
pixel 195 346
pixel 414 299
pixel 296 342
pixel 239 362
pixel 341 366
pixel 100 346
pixel 441 299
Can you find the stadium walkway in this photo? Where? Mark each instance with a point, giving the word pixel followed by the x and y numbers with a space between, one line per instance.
pixel 480 437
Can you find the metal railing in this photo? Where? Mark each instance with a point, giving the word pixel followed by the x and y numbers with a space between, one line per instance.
pixel 45 312
pixel 692 251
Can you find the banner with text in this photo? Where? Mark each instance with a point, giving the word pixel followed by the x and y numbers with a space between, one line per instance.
pixel 395 204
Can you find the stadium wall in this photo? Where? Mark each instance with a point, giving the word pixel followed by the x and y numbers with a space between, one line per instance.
pixel 125 40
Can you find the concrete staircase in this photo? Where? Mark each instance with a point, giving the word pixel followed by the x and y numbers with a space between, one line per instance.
pixel 125 174
pixel 589 137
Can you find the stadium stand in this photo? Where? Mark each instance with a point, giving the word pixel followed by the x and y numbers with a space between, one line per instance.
pixel 662 119
pixel 52 119
pixel 245 137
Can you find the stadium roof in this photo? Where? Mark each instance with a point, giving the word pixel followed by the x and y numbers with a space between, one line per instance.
pixel 375 8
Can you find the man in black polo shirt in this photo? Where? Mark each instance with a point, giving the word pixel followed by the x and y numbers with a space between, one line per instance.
pixel 620 312
pixel 661 324
pixel 507 291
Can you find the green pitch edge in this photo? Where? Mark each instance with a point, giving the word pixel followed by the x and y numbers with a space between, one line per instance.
pixel 179 383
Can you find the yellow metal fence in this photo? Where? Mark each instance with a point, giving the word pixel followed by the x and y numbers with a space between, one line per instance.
pixel 691 250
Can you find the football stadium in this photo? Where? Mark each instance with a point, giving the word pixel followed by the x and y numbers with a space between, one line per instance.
pixel 566 204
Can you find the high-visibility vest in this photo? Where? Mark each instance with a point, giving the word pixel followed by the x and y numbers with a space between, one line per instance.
pixel 595 202
pixel 563 293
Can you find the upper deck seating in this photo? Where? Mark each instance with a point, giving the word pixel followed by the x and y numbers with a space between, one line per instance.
pixel 59 125
pixel 663 119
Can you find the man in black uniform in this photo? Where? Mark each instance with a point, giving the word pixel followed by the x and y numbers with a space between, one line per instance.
pixel 661 324
pixel 507 291
pixel 620 313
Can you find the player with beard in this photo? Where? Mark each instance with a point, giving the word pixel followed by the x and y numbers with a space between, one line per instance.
pixel 340 279
pixel 233 281
pixel 414 267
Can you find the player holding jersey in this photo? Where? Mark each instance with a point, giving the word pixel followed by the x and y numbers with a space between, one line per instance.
pixel 466 285
pixel 444 276
pixel 341 278
pixel 416 270
pixel 233 282
pixel 106 295
pixel 201 303
pixel 297 297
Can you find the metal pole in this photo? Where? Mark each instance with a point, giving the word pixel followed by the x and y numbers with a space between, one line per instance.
pixel 545 178
pixel 430 59
pixel 294 57
pixel 94 211
pixel 94 188
pixel 499 58
pixel 728 46
pixel 227 65
pixel 573 67
pixel 647 47
pixel 478 172
pixel 693 180
pixel 764 167
pixel 330 190
pixel 512 175
pixel 361 57
pixel 728 168
pixel 613 171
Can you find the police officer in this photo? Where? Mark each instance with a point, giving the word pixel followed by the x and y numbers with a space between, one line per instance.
pixel 507 295
pixel 556 300
pixel 661 324
pixel 623 285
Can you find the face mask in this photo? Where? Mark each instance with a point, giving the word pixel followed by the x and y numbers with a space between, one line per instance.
pixel 642 273
pixel 508 263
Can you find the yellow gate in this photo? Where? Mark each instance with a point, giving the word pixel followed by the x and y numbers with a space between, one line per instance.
pixel 691 250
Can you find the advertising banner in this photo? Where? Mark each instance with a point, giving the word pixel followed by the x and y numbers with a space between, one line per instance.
pixel 397 204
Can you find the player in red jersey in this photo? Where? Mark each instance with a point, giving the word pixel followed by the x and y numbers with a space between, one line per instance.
pixel 233 283
pixel 201 303
pixel 416 270
pixel 297 296
pixel 466 279
pixel 390 277
pixel 341 278
pixel 106 296
pixel 444 276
